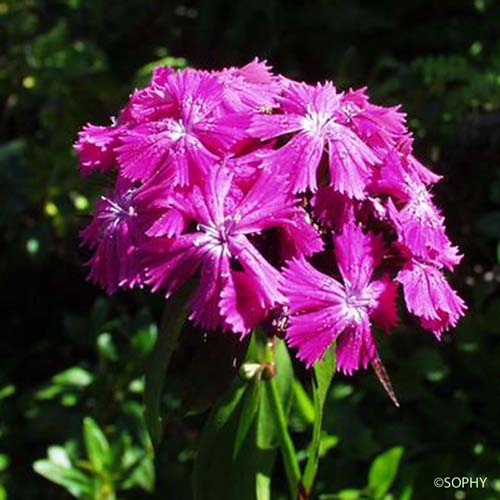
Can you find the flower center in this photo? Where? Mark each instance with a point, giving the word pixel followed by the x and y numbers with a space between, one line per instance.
pixel 116 210
pixel 350 110
pixel 421 205
pixel 176 129
pixel 357 306
pixel 314 122
pixel 215 238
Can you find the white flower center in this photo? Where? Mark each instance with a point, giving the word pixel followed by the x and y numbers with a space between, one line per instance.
pixel 176 130
pixel 214 239
pixel 421 204
pixel 314 122
pixel 117 210
pixel 350 110
pixel 356 306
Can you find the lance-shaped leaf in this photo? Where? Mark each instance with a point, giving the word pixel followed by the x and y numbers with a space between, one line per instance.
pixel 173 318
pixel 323 375
pixel 250 406
pixel 302 412
pixel 74 481
pixel 218 473
pixel 383 472
pixel 97 446
pixel 267 431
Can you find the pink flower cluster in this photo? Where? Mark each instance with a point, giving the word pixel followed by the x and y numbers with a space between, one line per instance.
pixel 276 198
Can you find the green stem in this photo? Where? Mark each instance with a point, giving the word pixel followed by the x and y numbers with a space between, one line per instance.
pixel 287 448
pixel 312 461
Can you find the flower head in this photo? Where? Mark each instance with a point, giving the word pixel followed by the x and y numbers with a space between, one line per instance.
pixel 240 181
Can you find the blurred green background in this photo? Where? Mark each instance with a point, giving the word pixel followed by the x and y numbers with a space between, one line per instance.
pixel 72 358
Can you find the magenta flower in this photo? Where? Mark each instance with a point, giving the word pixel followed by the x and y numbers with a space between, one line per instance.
pixel 378 126
pixel 314 115
pixel 224 177
pixel 181 131
pixel 324 310
pixel 237 285
pixel 420 229
pixel 331 208
pixel 250 88
pixel 114 234
pixel 429 297
pixel 96 148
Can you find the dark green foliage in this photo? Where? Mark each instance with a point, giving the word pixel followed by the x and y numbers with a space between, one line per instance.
pixel 71 385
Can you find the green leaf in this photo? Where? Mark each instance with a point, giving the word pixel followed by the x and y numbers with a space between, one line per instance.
pixel 106 347
pixel 407 479
pixel 217 472
pixel 144 73
pixel 75 482
pixel 267 431
pixel 144 340
pixel 139 473
pixel 263 486
pixel 215 438
pixel 302 412
pixel 323 375
pixel 250 405
pixel 348 494
pixel 288 452
pixel 173 318
pixel 327 442
pixel 383 471
pixel 74 376
pixel 7 391
pixel 96 444
pixel 59 456
pixel 4 462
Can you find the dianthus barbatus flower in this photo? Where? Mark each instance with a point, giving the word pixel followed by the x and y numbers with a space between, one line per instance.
pixel 208 167
pixel 180 128
pixel 314 115
pixel 95 148
pixel 96 145
pixel 237 285
pixel 250 88
pixel 324 310
pixel 114 234
pixel 379 126
pixel 429 296
pixel 418 222
pixel 122 221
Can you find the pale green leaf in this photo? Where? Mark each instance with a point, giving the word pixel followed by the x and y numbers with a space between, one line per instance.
pixel 96 444
pixel 250 405
pixel 74 481
pixel 383 471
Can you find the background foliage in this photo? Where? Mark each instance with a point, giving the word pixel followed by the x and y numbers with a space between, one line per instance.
pixel 72 359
